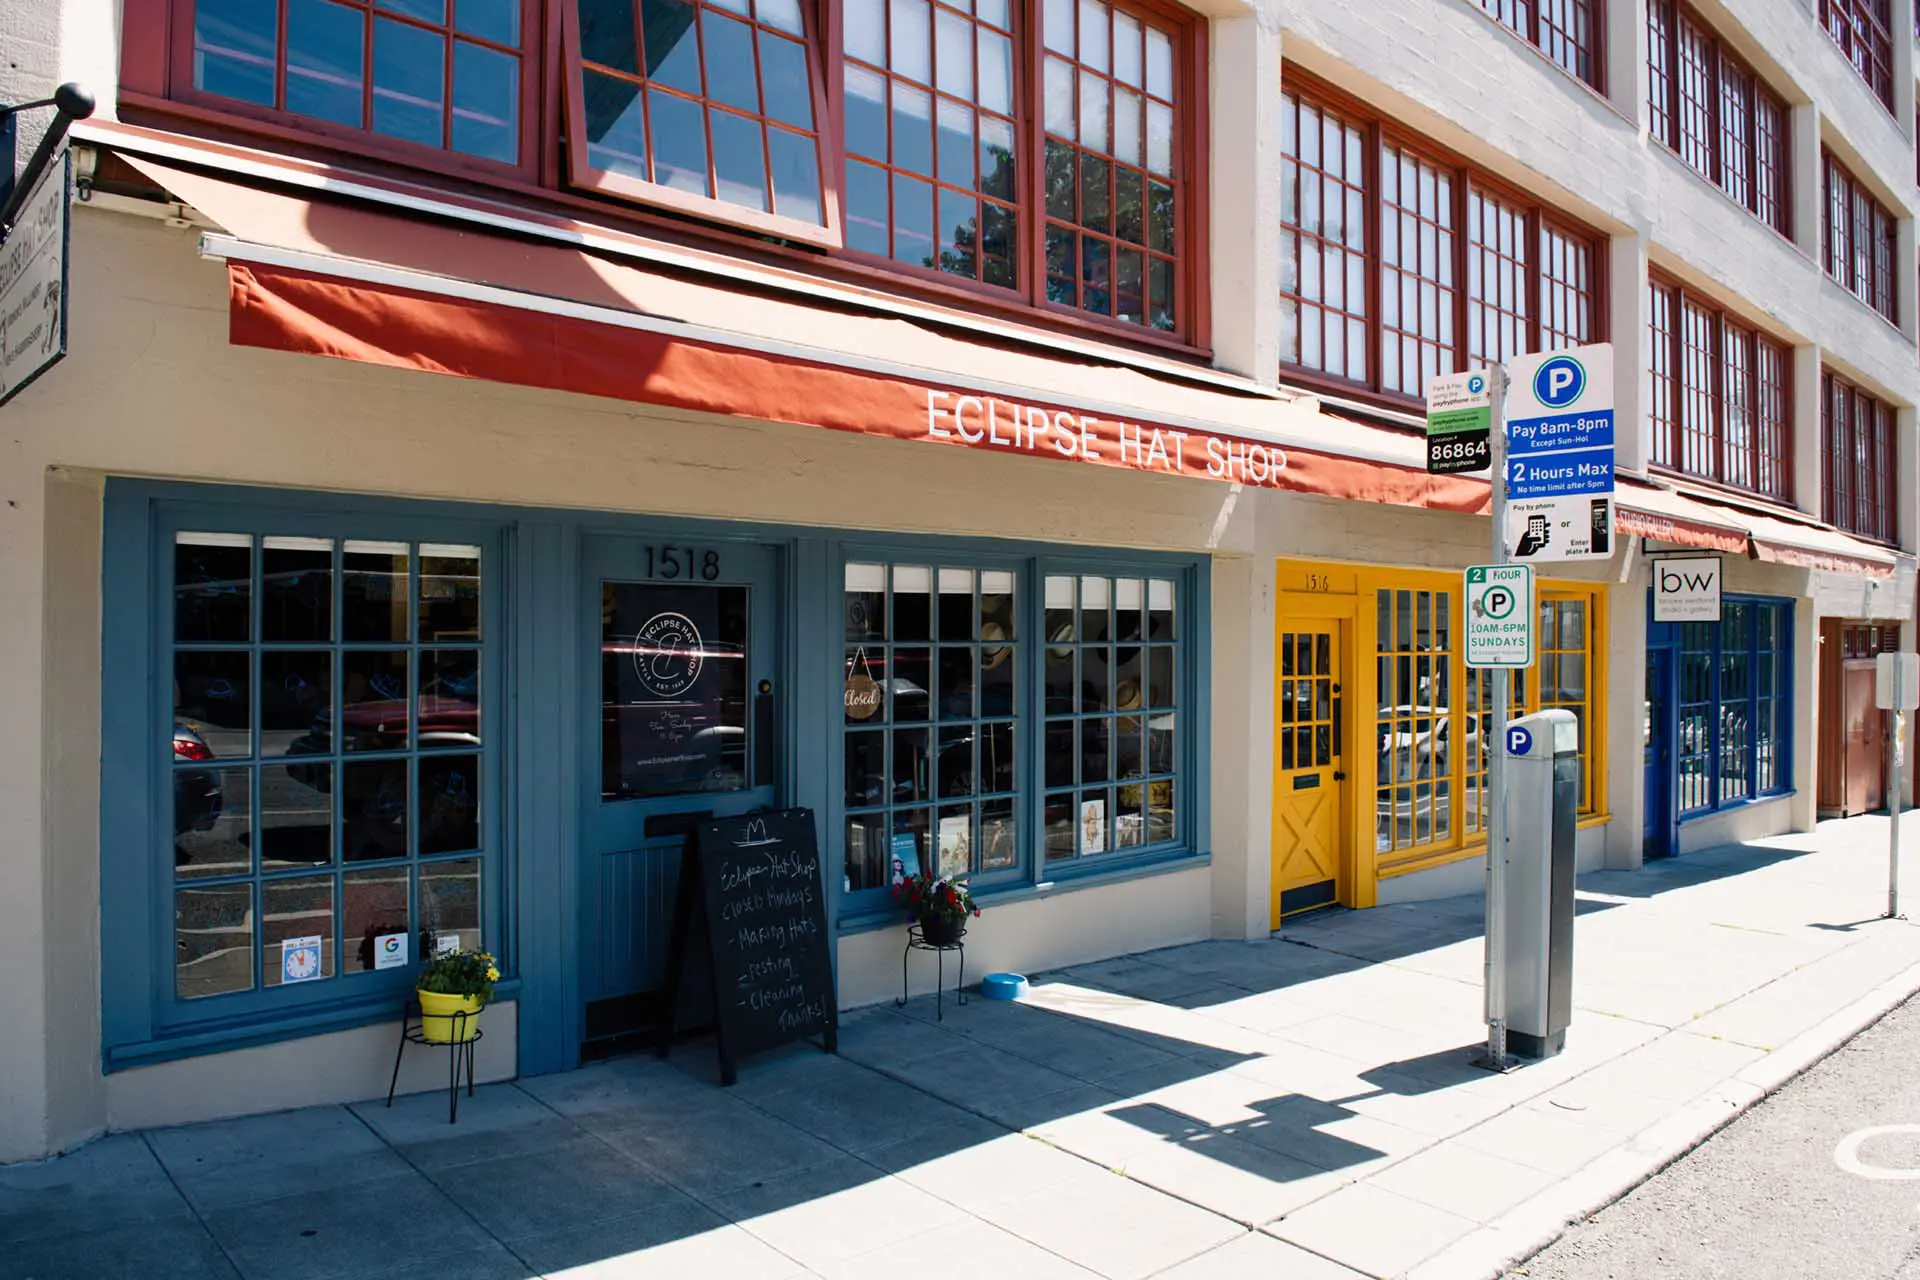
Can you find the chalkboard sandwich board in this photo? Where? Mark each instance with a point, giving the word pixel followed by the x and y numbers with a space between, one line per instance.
pixel 750 933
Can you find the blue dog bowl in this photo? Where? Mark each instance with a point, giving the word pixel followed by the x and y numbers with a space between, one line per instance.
pixel 1003 986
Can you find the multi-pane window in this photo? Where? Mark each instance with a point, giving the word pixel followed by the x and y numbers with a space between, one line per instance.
pixel 1046 152
pixel 1857 237
pixel 1864 31
pixel 329 758
pixel 710 99
pixel 946 697
pixel 1567 31
pixel 1432 712
pixel 932 724
pixel 932 163
pixel 1112 715
pixel 1564 674
pixel 1720 395
pixel 1499 273
pixel 1452 256
pixel 1859 640
pixel 1734 709
pixel 1857 461
pixel 1323 259
pixel 1716 113
pixel 1415 665
pixel 1419 292
pixel 1109 97
pixel 440 74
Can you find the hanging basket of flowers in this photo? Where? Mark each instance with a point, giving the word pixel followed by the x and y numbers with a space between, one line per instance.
pixel 940 906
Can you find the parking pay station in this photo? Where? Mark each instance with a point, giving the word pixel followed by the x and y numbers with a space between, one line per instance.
pixel 1541 753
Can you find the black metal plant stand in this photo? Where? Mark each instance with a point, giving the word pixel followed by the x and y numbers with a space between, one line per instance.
pixel 917 941
pixel 459 1052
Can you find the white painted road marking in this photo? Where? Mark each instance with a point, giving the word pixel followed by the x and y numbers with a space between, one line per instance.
pixel 1847 1154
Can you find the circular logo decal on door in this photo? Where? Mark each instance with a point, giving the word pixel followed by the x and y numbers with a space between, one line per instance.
pixel 667 655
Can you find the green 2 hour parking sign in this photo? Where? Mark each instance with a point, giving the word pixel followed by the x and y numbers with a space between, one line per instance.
pixel 1500 615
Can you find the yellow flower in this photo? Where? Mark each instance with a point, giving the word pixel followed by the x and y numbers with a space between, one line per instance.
pixel 493 974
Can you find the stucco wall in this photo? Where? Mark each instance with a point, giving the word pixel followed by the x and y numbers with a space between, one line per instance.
pixel 152 388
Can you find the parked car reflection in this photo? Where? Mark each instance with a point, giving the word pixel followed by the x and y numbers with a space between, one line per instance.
pixel 197 798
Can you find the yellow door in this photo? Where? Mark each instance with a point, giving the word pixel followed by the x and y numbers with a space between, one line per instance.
pixel 1309 791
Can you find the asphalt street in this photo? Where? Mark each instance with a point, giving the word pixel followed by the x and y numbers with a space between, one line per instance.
pixel 1794 1188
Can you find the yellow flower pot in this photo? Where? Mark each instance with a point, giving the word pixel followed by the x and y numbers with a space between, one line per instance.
pixel 446 1019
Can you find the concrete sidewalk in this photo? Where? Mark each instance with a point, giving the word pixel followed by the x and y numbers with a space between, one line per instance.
pixel 1297 1108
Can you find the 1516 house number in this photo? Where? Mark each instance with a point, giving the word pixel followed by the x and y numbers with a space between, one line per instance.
pixel 683 562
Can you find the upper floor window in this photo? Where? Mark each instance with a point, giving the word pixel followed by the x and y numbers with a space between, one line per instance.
pixel 717 100
pixel 1398 263
pixel 1857 238
pixel 1857 461
pixel 1721 118
pixel 1567 31
pixel 1721 395
pixel 1864 31
pixel 1045 152
pixel 447 75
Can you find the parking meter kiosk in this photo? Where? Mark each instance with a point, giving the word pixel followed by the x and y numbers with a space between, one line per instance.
pixel 1543 795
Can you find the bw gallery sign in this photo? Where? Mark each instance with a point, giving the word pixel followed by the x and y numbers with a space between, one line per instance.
pixel 1686 589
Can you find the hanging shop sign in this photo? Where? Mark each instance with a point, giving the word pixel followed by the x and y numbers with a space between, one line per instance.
pixel 863 694
pixel 1686 589
pixel 33 282
pixel 1559 411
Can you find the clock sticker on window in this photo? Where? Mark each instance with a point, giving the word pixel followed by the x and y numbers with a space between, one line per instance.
pixel 300 959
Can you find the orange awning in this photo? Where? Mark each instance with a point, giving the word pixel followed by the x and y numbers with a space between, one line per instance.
pixel 1809 547
pixel 1665 516
pixel 327 277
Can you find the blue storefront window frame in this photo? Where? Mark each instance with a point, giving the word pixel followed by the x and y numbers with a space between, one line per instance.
pixel 864 910
pixel 1670 637
pixel 532 562
pixel 143 1018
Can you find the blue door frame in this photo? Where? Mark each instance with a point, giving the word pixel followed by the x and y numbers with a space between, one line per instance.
pixel 682 654
pixel 1659 827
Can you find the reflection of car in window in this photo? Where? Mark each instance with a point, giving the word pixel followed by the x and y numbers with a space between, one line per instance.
pixel 197 797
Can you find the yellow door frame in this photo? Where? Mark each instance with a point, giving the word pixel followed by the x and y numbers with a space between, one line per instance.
pixel 1306 608
pixel 1310 591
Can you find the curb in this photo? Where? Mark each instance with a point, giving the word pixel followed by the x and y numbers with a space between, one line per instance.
pixel 1535 1223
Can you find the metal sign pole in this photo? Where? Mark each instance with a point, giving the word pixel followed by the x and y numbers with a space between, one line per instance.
pixel 1492 740
pixel 1893 815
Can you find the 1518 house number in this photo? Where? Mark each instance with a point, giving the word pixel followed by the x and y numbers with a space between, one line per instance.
pixel 691 563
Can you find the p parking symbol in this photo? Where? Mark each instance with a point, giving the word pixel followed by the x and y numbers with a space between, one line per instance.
pixel 1519 741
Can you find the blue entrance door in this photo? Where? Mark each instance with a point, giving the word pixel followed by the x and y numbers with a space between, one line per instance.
pixel 1657 833
pixel 681 726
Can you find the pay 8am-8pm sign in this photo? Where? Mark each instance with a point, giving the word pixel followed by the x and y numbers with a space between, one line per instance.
pixel 1559 447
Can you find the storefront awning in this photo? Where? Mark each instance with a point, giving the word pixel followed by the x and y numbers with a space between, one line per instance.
pixel 1808 547
pixel 339 278
pixel 1666 516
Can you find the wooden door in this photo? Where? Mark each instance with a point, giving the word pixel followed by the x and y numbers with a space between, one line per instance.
pixel 1866 742
pixel 1309 790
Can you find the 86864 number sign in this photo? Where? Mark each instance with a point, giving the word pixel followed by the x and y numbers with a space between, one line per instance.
pixel 684 564
pixel 1453 454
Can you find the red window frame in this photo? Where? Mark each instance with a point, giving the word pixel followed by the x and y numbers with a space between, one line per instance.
pixel 586 175
pixel 1710 108
pixel 1864 31
pixel 164 34
pixel 1857 238
pixel 156 86
pixel 1458 268
pixel 1570 33
pixel 1859 479
pixel 1722 394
